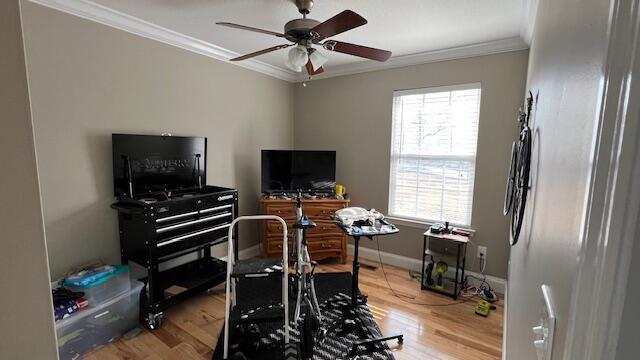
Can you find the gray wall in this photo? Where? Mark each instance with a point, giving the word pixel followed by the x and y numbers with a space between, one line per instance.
pixel 352 114
pixel 566 70
pixel 88 81
pixel 26 311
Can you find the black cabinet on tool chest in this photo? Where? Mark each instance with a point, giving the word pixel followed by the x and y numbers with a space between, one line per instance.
pixel 154 233
pixel 157 226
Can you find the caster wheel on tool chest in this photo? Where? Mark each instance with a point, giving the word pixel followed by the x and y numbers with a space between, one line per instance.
pixel 152 321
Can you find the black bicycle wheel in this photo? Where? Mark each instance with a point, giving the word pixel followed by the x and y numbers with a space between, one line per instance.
pixel 521 184
pixel 511 178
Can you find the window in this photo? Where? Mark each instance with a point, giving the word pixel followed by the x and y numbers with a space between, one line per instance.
pixel 433 153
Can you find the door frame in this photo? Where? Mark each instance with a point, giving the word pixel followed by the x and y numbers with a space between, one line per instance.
pixel 613 203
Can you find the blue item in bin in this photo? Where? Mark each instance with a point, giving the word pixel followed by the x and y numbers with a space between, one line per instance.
pixel 92 276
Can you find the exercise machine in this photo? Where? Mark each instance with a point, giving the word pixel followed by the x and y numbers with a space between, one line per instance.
pixel 305 288
pixel 307 315
pixel 251 269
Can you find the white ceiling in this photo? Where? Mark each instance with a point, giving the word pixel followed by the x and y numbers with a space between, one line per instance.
pixel 402 26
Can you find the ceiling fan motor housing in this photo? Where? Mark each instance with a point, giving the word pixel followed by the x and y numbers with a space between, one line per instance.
pixel 304 6
pixel 299 30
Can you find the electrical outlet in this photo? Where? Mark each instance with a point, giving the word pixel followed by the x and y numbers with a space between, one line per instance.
pixel 482 252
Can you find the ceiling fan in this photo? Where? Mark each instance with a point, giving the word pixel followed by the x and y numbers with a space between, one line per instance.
pixel 305 33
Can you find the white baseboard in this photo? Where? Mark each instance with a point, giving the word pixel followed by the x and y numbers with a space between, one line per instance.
pixel 498 284
pixel 247 253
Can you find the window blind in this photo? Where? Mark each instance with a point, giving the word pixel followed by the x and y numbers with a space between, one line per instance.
pixel 433 153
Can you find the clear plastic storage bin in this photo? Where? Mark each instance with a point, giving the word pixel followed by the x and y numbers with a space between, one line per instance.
pixel 106 290
pixel 99 324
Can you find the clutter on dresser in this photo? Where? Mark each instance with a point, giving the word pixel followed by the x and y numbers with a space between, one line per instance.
pixel 168 218
pixel 94 305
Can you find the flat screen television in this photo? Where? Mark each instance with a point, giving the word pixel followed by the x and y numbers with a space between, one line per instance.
pixel 158 163
pixel 293 170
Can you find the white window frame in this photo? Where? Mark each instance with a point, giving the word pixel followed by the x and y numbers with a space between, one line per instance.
pixel 422 222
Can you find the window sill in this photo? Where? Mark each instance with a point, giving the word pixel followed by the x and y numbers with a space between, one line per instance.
pixel 418 224
pixel 422 224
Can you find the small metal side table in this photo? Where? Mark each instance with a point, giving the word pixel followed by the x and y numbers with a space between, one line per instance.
pixel 441 247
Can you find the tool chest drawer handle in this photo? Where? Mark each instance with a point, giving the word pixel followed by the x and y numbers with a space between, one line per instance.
pixel 174 217
pixel 194 222
pixel 188 236
pixel 206 211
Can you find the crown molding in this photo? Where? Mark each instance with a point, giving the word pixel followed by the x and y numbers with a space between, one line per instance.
pixel 460 52
pixel 528 21
pixel 116 19
pixel 107 16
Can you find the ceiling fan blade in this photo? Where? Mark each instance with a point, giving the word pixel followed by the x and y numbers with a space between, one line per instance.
pixel 260 52
pixel 243 27
pixel 340 23
pixel 357 50
pixel 310 71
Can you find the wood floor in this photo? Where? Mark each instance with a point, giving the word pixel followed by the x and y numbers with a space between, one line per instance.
pixel 434 331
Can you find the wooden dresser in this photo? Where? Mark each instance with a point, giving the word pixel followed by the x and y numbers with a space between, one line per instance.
pixel 325 241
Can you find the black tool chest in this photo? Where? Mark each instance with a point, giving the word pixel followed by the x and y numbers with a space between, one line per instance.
pixel 155 233
pixel 168 219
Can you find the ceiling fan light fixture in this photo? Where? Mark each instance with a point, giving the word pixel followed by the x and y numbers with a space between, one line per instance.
pixel 317 59
pixel 293 68
pixel 297 58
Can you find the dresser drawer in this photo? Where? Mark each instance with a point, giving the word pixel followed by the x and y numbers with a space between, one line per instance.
pixel 275 227
pixel 324 228
pixel 320 245
pixel 285 211
pixel 318 212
